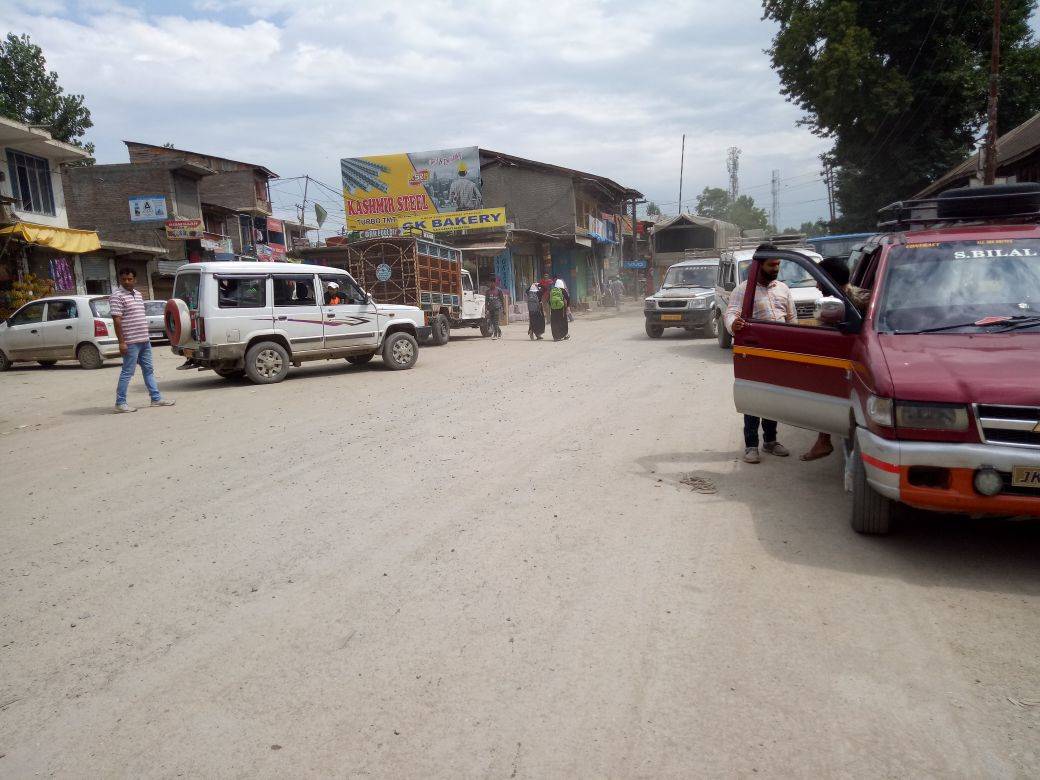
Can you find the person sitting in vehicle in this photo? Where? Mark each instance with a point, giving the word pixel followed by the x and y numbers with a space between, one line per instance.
pixel 332 294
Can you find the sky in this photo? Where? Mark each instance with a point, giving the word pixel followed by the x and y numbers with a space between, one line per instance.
pixel 605 87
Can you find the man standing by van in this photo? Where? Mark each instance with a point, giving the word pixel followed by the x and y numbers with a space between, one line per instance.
pixel 127 307
pixel 772 303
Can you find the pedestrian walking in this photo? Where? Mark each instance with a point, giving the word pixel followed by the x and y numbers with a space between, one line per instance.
pixel 559 303
pixel 496 304
pixel 127 309
pixel 772 303
pixel 617 290
pixel 535 314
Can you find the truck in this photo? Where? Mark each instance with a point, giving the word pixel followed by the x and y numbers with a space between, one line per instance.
pixel 417 271
pixel 927 365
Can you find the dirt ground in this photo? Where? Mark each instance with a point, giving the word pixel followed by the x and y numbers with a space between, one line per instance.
pixel 497 564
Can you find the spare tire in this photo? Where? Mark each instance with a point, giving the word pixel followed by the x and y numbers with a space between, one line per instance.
pixel 177 319
pixel 996 200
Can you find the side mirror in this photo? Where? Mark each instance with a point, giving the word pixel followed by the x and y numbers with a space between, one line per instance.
pixel 829 310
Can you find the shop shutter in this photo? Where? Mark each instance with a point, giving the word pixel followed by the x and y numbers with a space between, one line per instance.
pixel 95 269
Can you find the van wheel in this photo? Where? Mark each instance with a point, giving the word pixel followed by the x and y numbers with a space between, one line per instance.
pixel 718 330
pixel 267 363
pixel 360 360
pixel 229 373
pixel 654 331
pixel 47 363
pixel 871 511
pixel 441 331
pixel 400 351
pixel 5 362
pixel 89 356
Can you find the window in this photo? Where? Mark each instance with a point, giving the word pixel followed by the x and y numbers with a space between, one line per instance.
pixel 154 308
pixel 348 291
pixel 242 292
pixel 30 314
pixel 467 283
pixel 186 287
pixel 61 310
pixel 101 307
pixel 294 291
pixel 31 182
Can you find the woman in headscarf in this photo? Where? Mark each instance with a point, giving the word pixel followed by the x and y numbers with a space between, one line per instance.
pixel 559 301
pixel 535 313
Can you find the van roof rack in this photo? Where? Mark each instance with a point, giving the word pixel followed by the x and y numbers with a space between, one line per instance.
pixel 996 203
pixel 778 240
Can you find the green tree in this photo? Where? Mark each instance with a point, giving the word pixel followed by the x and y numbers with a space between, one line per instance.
pixel 899 87
pixel 31 94
pixel 817 228
pixel 653 210
pixel 716 203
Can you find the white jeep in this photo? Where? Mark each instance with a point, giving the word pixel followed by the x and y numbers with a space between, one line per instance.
pixel 257 319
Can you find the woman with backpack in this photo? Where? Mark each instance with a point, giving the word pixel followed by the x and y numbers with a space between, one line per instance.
pixel 559 301
pixel 534 312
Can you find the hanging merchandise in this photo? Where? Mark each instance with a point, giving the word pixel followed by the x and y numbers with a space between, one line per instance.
pixel 61 273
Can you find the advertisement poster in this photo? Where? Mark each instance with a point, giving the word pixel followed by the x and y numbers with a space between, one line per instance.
pixel 456 220
pixel 184 229
pixel 147 208
pixel 380 192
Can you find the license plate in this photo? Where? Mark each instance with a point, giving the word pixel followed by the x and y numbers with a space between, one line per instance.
pixel 188 353
pixel 1026 476
pixel 672 317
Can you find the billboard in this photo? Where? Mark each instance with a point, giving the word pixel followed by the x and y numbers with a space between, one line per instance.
pixel 383 191
pixel 147 208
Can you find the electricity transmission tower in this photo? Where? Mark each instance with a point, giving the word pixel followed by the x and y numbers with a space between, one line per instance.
pixel 733 166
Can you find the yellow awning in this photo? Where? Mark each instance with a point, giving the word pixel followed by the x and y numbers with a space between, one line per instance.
pixel 74 242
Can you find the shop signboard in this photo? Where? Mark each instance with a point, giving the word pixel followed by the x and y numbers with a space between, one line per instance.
pixel 382 191
pixel 184 229
pixel 635 264
pixel 478 219
pixel 147 208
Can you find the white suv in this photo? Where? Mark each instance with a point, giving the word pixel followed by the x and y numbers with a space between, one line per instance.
pixel 257 319
pixel 62 327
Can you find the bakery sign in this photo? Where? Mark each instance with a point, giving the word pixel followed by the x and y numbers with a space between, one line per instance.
pixel 184 229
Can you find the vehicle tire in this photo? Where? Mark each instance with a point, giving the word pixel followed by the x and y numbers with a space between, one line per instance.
pixel 360 360
pixel 722 335
pixel 229 373
pixel 485 328
pixel 441 331
pixel 177 319
pixel 47 363
pixel 267 362
pixel 871 511
pixel 400 351
pixel 89 356
pixel 5 362
pixel 654 331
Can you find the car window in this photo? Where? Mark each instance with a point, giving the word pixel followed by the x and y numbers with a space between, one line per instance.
pixel 61 310
pixel 467 283
pixel 241 292
pixel 154 308
pixel 294 290
pixel 346 291
pixel 30 314
pixel 101 307
pixel 187 289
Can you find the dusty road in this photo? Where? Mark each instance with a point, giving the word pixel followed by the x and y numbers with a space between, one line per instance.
pixel 486 566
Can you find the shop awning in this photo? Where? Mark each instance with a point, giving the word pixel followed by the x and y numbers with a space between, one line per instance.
pixel 74 242
pixel 487 246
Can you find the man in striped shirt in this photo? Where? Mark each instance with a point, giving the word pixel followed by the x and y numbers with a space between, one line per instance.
pixel 132 331
pixel 773 303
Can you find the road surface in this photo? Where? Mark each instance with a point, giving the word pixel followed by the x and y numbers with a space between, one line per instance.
pixel 487 566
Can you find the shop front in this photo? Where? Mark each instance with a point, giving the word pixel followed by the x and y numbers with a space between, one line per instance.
pixel 49 255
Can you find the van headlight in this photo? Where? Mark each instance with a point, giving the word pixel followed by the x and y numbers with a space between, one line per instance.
pixel 699 303
pixel 879 410
pixel 932 417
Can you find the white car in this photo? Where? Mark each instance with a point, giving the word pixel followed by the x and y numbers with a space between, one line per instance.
pixel 155 313
pixel 62 327
pixel 258 319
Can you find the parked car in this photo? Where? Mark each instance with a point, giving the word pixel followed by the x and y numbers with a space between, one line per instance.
pixel 258 319
pixel 733 268
pixel 65 327
pixel 685 298
pixel 935 384
pixel 155 312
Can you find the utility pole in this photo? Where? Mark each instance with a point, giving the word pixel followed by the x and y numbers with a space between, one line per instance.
pixel 994 96
pixel 776 199
pixel 828 172
pixel 303 208
pixel 682 162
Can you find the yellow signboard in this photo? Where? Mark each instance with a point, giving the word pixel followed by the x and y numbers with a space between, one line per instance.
pixel 380 192
pixel 479 219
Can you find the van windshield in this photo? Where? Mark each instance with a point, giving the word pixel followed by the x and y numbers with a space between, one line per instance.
pixel 690 276
pixel 952 286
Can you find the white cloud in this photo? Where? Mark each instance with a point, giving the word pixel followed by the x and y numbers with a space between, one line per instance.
pixel 608 87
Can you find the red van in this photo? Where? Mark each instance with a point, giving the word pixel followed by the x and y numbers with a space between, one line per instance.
pixel 935 384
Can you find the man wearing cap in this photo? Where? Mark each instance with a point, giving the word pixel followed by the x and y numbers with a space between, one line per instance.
pixel 464 195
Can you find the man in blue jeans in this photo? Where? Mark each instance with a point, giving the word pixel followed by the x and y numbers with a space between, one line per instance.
pixel 132 331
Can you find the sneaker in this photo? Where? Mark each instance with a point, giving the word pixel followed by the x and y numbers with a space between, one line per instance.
pixel 125 408
pixel 164 402
pixel 186 365
pixel 751 455
pixel 776 448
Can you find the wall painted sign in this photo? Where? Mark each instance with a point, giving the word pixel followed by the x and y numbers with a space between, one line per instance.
pixel 147 208
pixel 481 219
pixel 379 191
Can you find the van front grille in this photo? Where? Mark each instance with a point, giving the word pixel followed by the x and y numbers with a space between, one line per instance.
pixel 1015 425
